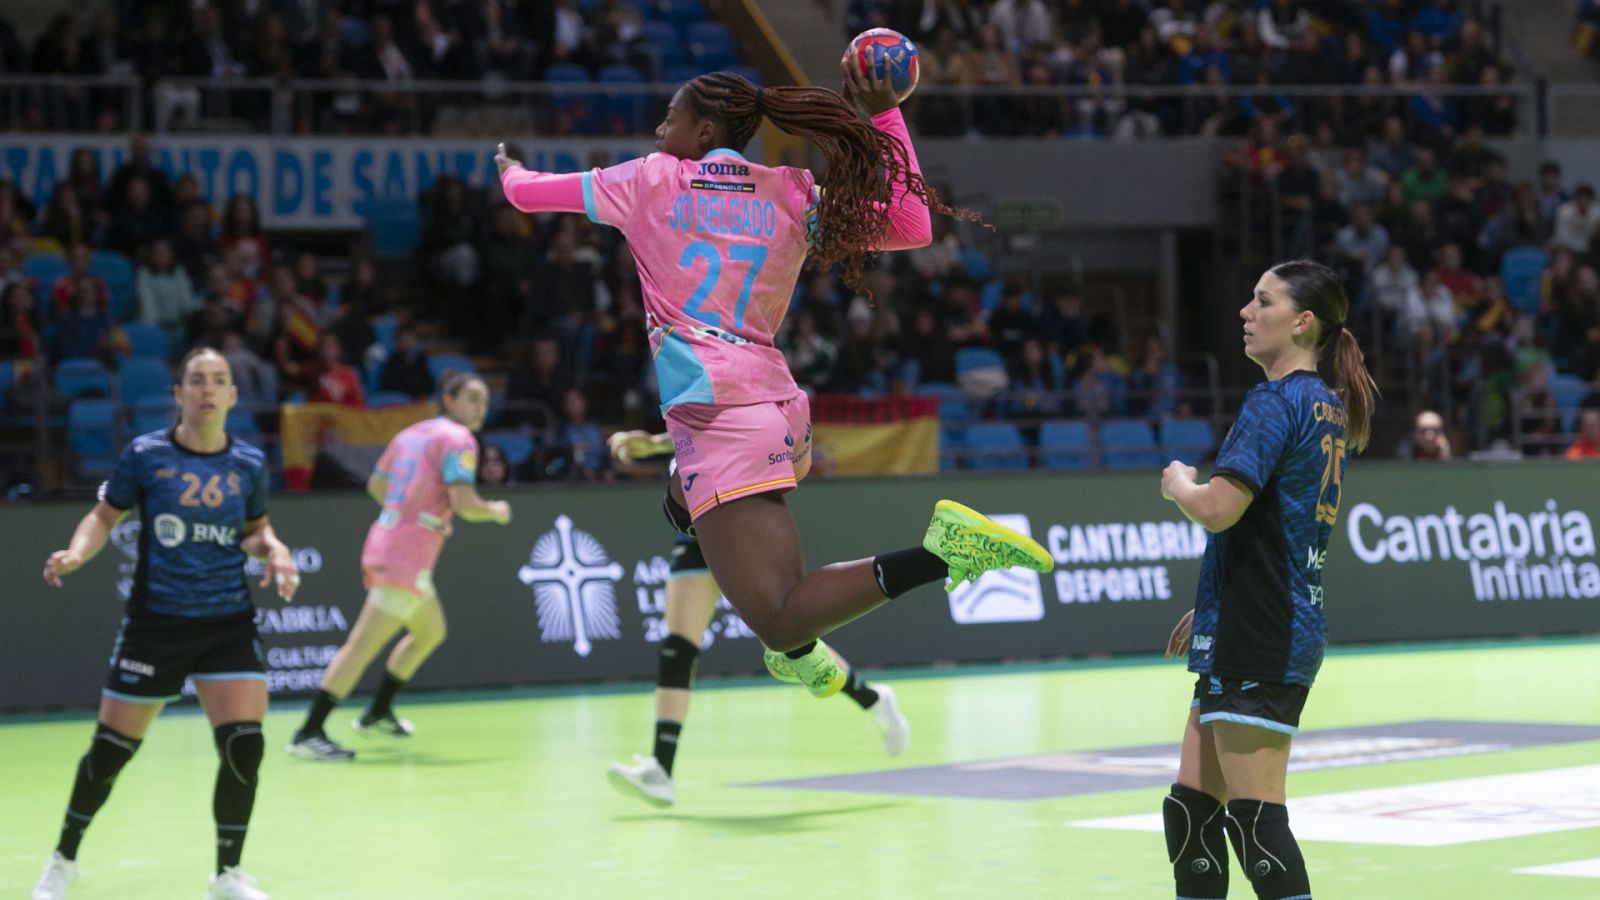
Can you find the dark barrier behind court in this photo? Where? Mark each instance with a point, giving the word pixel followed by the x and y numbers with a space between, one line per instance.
pixel 573 589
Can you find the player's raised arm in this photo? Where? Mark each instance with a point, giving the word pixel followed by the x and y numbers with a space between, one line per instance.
pixel 910 224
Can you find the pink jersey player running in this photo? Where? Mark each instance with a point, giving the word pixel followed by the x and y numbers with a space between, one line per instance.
pixel 719 241
pixel 426 475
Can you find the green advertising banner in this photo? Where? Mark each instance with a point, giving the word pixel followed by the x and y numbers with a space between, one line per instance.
pixel 573 589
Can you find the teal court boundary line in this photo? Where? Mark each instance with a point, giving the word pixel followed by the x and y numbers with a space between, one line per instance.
pixel 908 673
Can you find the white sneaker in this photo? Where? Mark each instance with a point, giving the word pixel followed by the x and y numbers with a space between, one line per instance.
pixel 388 726
pixel 644 779
pixel 58 873
pixel 891 724
pixel 233 884
pixel 318 747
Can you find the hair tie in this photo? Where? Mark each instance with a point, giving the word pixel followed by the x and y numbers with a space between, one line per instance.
pixel 761 100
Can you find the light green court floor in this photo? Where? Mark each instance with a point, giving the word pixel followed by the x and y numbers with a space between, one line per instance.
pixel 504 795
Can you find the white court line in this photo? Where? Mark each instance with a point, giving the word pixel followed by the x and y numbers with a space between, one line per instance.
pixel 1583 868
pixel 1436 813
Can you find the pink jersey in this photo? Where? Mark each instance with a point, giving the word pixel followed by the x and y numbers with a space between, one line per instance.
pixel 719 242
pixel 418 467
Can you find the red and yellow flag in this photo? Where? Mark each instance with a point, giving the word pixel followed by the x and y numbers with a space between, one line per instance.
pixel 305 428
pixel 877 435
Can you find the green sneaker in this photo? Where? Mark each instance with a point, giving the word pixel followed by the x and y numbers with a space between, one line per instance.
pixel 817 670
pixel 971 544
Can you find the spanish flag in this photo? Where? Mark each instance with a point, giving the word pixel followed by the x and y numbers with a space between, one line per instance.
pixel 305 428
pixel 877 435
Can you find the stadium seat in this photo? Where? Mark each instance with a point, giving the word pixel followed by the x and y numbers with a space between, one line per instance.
pixel 971 358
pixel 82 376
pixel 45 269
pixel 1568 391
pixel 152 412
pixel 516 445
pixel 1065 445
pixel 394 224
pixel 629 110
pixel 952 444
pixel 664 38
pixel 578 106
pixel 1128 444
pixel 117 270
pixel 683 13
pixel 148 340
pixel 441 363
pixel 952 403
pixel 995 446
pixel 1520 271
pixel 711 45
pixel 381 399
pixel 142 376
pixel 92 436
pixel 976 263
pixel 383 330
pixel 1189 440
pixel 8 377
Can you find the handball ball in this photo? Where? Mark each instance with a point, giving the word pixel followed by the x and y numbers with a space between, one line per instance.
pixel 892 53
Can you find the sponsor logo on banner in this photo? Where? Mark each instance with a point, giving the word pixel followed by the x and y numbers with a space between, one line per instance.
pixel 574 584
pixel 1004 595
pixel 1508 555
pixel 650 578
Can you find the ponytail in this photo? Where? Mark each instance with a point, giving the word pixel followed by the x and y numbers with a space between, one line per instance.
pixel 1356 389
pixel 853 214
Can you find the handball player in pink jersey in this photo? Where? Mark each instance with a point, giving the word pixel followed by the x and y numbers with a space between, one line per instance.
pixel 426 474
pixel 719 241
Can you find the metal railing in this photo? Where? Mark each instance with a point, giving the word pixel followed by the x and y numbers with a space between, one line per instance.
pixel 334 106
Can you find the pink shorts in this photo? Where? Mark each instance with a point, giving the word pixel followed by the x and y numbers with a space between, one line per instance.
pixel 728 452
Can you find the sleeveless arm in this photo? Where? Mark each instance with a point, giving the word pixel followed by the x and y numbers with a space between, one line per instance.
pixel 532 191
pixel 910 225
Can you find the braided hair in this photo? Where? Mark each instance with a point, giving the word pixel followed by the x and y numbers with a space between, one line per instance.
pixel 853 215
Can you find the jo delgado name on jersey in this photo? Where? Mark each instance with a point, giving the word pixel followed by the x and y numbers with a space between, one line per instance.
pixel 721 214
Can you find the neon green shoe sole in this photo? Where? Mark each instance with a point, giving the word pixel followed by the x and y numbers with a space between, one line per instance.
pixel 818 670
pixel 971 543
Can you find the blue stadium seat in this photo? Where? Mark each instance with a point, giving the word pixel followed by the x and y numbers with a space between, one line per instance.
pixel 444 362
pixel 1128 444
pixel 516 445
pixel 394 224
pixel 1065 445
pixel 711 45
pixel 995 446
pixel 952 403
pixel 142 376
pixel 1520 271
pixel 679 73
pixel 625 110
pixel 1189 440
pixel 152 412
pixel 148 340
pixel 381 399
pixel 92 436
pixel 81 376
pixel 1568 391
pixel 8 377
pixel 45 269
pixel 990 295
pixel 970 358
pixel 579 106
pixel 383 330
pixel 976 263
pixel 664 38
pixel 682 13
pixel 952 443
pixel 117 270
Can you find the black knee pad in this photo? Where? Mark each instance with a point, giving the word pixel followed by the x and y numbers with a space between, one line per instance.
pixel 108 753
pixel 241 747
pixel 679 658
pixel 677 513
pixel 1267 849
pixel 1195 843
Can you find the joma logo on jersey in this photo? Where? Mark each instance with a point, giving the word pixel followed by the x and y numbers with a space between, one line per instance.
pixel 724 169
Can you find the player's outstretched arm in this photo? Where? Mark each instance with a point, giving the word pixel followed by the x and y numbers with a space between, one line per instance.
pixel 465 502
pixel 87 540
pixel 910 224
pixel 531 191
pixel 278 567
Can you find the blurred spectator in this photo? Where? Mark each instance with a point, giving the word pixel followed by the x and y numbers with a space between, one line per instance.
pixel 1359 183
pixel 308 278
pixel 537 382
pixel 810 354
pixel 864 358
pixel 255 378
pixel 926 354
pixel 1037 387
pixel 406 370
pixel 192 245
pixel 242 235
pixel 297 348
pixel 64 293
pixel 1576 221
pixel 1551 194
pixel 335 381
pixel 1154 384
pixel 1538 414
pixel 1430 305
pixel 138 166
pixel 1010 323
pixel 590 458
pixel 510 263
pixel 65 218
pixel 1064 327
pixel 165 294
pixel 19 328
pixel 1393 282
pixel 85 328
pixel 1587 446
pixel 448 242
pixel 1363 242
pixel 1425 181
pixel 139 220
pixel 493 468
pixel 1462 284
pixel 1394 155
pixel 1427 442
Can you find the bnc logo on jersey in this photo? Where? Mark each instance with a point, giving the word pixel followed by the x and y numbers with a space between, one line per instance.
pixel 574 586
pixel 1003 595
pixel 169 530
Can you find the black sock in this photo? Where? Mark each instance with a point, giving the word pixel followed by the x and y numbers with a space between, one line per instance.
pixel 903 570
pixel 240 747
pixel 667 742
pixel 800 651
pixel 383 700
pixel 860 691
pixel 97 771
pixel 321 706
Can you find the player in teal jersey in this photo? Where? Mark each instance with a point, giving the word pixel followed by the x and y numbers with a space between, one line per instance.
pixel 201 497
